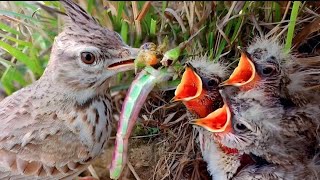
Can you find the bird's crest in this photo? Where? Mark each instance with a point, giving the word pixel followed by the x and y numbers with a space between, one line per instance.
pixel 77 13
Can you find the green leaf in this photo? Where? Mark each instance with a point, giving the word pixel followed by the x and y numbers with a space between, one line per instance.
pixel 27 4
pixel 119 13
pixel 6 83
pixel 52 3
pixel 164 6
pixel 6 63
pixel 224 42
pixel 10 13
pixel 292 23
pixel 211 44
pixel 20 42
pixel 153 26
pixel 124 31
pixel 10 76
pixel 277 11
pixel 6 28
pixel 91 4
pixel 29 62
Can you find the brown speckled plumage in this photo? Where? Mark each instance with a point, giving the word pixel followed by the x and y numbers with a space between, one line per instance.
pixel 54 128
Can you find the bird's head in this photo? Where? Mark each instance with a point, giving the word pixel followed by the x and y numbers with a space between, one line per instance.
pixel 198 89
pixel 85 55
pixel 260 65
pixel 238 127
pixel 244 125
pixel 240 122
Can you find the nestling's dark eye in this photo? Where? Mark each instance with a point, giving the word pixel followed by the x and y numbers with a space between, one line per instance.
pixel 240 127
pixel 268 70
pixel 87 57
pixel 212 83
pixel 272 58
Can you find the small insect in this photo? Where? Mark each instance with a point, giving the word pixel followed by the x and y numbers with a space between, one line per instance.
pixel 150 54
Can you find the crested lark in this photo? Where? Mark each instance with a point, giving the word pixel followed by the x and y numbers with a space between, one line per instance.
pixel 54 128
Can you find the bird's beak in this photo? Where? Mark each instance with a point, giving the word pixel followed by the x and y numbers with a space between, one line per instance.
pixel 190 86
pixel 245 75
pixel 217 121
pixel 125 63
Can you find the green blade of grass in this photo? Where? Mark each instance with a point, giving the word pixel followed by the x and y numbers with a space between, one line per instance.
pixel 153 26
pixel 25 4
pixel 10 76
pixel 239 22
pixel 223 42
pixel 52 3
pixel 124 31
pixel 292 23
pixel 91 4
pixel 6 63
pixel 10 13
pixel 277 11
pixel 6 83
pixel 164 6
pixel 29 62
pixel 211 44
pixel 6 28
pixel 34 55
pixel 119 13
pixel 18 41
pixel 236 29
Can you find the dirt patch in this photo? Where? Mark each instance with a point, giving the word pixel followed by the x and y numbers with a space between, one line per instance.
pixel 142 157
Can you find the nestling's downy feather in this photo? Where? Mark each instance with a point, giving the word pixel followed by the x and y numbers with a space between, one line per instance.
pixel 206 67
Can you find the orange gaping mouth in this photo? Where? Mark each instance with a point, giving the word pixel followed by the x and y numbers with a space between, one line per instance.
pixel 120 64
pixel 190 86
pixel 217 121
pixel 245 75
pixel 192 94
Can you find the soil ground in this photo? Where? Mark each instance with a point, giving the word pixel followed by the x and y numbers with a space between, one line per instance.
pixel 142 156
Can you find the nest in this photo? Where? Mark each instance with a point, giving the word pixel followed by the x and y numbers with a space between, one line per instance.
pixel 175 151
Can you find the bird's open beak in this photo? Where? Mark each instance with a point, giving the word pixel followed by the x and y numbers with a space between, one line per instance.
pixel 190 86
pixel 245 75
pixel 190 91
pixel 125 63
pixel 217 121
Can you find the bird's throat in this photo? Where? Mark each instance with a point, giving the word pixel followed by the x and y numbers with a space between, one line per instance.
pixel 202 106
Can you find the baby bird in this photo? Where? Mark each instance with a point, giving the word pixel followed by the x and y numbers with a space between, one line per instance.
pixel 198 91
pixel 277 137
pixel 290 79
pixel 263 122
pixel 285 138
pixel 55 127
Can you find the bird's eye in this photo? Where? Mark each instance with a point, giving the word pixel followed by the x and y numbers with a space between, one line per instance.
pixel 240 127
pixel 212 83
pixel 273 58
pixel 88 58
pixel 268 70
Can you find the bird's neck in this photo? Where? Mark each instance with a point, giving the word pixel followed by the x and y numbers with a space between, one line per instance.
pixel 87 113
pixel 85 110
